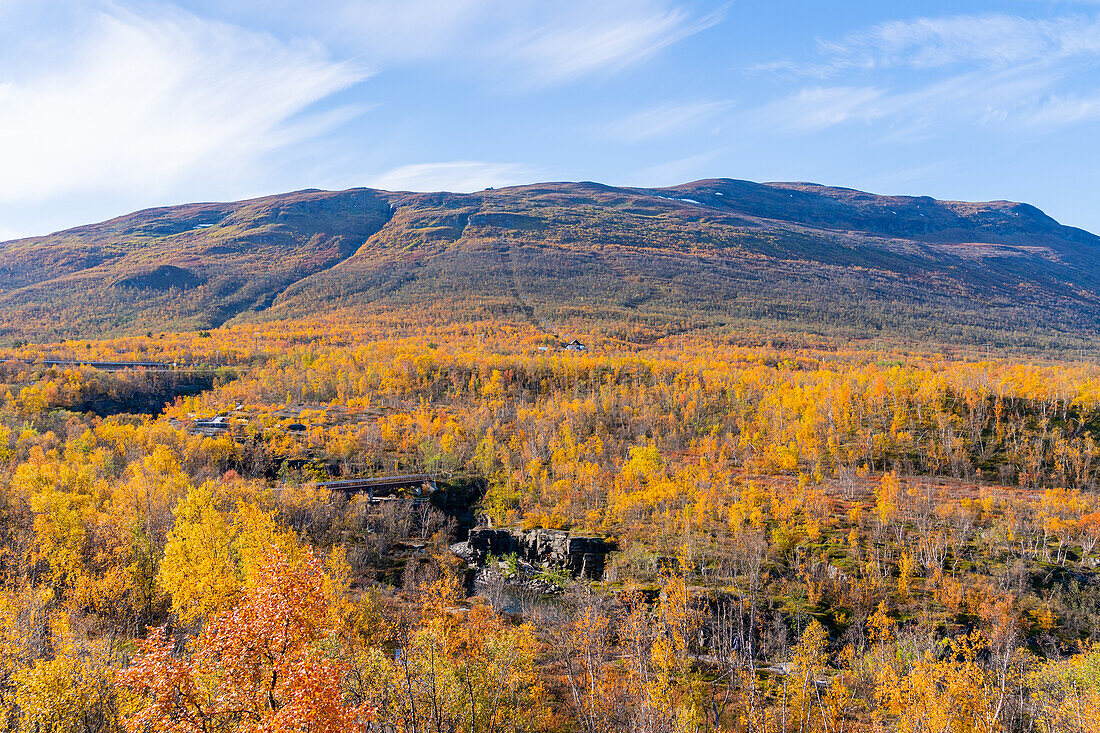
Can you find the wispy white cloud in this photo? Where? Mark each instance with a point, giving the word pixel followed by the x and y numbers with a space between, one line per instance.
pixel 1059 110
pixel 665 119
pixel 976 97
pixel 815 108
pixel 143 102
pixel 460 176
pixel 990 40
pixel 973 69
pixel 385 32
pixel 381 31
pixel 581 39
pixel 523 44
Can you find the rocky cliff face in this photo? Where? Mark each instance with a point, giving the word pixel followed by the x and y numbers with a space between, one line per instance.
pixel 582 556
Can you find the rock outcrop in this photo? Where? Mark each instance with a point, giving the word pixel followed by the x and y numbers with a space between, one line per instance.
pixel 583 556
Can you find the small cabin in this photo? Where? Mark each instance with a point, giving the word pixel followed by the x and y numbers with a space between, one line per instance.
pixel 575 345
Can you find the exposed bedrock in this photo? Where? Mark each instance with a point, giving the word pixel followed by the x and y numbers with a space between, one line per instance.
pixel 579 555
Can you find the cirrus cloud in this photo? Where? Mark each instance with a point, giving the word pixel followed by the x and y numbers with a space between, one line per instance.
pixel 591 39
pixel 989 40
pixel 146 101
pixel 925 74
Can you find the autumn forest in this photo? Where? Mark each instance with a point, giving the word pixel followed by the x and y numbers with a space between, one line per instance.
pixel 804 537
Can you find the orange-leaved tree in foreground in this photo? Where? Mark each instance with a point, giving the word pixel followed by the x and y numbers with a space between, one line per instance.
pixel 254 668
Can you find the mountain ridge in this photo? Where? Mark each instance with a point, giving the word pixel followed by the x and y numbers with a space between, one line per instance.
pixel 714 253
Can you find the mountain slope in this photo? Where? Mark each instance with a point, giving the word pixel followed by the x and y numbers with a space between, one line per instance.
pixel 191 266
pixel 636 262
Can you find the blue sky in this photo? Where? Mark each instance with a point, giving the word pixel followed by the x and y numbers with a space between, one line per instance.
pixel 108 107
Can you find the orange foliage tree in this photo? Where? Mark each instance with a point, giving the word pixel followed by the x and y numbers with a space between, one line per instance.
pixel 257 667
